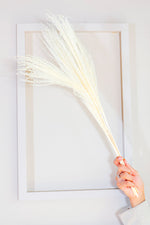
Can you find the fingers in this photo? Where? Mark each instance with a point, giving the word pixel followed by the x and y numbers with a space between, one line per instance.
pixel 123 183
pixel 122 169
pixel 125 176
pixel 134 172
pixel 126 167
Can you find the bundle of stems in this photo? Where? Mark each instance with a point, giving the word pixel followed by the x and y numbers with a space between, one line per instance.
pixel 70 65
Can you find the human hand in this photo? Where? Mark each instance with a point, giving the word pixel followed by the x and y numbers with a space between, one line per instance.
pixel 128 177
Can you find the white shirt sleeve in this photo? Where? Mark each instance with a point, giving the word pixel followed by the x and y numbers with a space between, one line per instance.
pixel 139 215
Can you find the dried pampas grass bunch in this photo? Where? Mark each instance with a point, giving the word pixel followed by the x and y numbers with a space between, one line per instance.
pixel 72 67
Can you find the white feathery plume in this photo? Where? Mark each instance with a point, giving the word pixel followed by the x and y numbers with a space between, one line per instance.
pixel 71 66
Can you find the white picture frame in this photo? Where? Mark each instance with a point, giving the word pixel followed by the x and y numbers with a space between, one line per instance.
pixel 23 193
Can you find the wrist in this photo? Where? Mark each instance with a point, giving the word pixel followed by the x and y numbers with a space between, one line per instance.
pixel 137 200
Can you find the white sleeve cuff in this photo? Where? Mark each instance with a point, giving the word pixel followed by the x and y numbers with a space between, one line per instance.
pixel 136 215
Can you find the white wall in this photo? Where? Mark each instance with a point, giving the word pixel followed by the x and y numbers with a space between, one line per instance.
pixel 79 211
